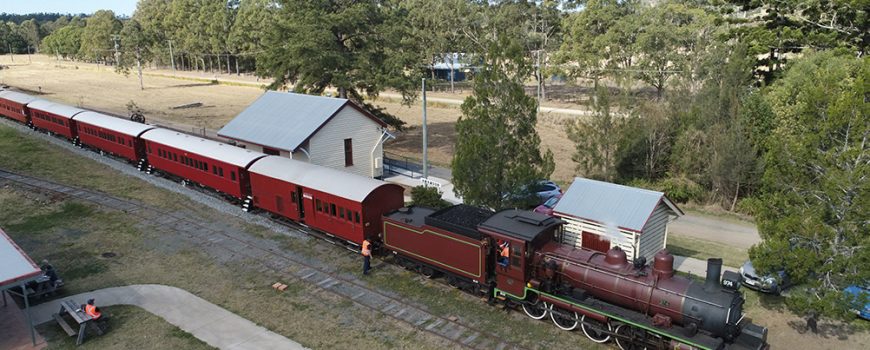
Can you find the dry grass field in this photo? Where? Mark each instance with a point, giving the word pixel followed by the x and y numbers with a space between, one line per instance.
pixel 99 87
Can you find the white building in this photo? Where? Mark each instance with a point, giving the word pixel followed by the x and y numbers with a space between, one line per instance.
pixel 600 215
pixel 331 132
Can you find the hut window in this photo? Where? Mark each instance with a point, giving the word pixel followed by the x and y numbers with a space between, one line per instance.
pixel 348 152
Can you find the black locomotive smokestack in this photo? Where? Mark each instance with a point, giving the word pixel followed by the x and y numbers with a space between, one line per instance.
pixel 714 270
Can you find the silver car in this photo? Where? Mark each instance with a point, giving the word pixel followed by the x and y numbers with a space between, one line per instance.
pixel 773 284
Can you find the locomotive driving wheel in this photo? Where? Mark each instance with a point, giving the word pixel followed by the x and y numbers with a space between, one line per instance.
pixel 595 330
pixel 628 339
pixel 536 310
pixel 565 320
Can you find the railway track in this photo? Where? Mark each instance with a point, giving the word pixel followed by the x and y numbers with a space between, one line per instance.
pixel 271 258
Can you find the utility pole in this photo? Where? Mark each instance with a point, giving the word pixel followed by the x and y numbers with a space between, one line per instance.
pixel 171 57
pixel 115 38
pixel 425 136
pixel 11 55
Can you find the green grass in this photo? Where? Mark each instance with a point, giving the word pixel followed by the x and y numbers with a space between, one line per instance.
pixel 43 221
pixel 701 249
pixel 129 328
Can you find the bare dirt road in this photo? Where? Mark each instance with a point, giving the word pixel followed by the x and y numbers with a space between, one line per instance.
pixel 734 233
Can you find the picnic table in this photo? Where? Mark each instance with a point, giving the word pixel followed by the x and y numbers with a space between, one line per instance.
pixel 82 319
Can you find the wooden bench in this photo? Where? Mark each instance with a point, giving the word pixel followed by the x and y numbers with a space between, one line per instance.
pixel 82 319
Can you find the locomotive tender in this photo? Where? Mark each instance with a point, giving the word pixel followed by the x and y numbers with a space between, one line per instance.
pixel 632 304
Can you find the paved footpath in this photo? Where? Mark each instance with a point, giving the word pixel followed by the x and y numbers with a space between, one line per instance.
pixel 204 320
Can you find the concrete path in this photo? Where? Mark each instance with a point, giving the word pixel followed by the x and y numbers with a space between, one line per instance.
pixel 204 320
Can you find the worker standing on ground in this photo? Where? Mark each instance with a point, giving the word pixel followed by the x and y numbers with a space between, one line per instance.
pixel 367 256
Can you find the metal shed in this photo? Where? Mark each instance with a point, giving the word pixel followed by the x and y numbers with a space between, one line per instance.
pixel 332 132
pixel 54 117
pixel 111 134
pixel 346 205
pixel 602 214
pixel 214 164
pixel 14 105
pixel 18 270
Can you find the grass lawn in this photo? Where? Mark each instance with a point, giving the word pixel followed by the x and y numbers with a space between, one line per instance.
pixel 129 328
pixel 701 249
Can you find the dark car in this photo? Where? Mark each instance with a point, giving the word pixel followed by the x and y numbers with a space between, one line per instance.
pixel 860 296
pixel 771 283
pixel 547 207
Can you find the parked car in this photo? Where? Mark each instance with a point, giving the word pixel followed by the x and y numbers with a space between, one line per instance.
pixel 547 207
pixel 771 283
pixel 546 189
pixel 534 194
pixel 859 294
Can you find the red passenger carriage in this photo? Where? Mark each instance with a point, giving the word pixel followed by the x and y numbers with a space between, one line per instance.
pixel 54 117
pixel 14 105
pixel 214 164
pixel 346 205
pixel 111 134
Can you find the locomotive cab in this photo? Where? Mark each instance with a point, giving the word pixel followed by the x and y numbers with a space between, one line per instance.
pixel 521 232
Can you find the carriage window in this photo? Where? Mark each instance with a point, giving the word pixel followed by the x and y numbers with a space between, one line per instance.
pixel 214 169
pixel 221 172
pixel 332 209
pixel 517 256
pixel 356 216
pixel 175 157
pixel 293 196
pixel 233 175
pixel 341 212
pixel 318 206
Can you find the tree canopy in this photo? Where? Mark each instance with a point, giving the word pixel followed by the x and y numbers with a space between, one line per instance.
pixel 816 205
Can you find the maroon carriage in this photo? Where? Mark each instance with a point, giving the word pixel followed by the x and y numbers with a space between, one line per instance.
pixel 111 134
pixel 54 117
pixel 346 205
pixel 217 165
pixel 446 240
pixel 14 105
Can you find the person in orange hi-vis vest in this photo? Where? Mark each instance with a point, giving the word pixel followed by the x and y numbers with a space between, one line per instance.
pixel 92 310
pixel 367 256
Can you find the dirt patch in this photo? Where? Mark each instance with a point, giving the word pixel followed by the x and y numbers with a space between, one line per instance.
pixel 99 87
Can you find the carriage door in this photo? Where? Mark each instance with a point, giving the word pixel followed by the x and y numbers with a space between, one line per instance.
pixel 511 277
pixel 305 203
pixel 298 205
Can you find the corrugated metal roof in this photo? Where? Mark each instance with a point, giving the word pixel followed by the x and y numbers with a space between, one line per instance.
pixel 55 108
pixel 282 120
pixel 335 182
pixel 608 203
pixel 113 123
pixel 17 266
pixel 17 97
pixel 207 148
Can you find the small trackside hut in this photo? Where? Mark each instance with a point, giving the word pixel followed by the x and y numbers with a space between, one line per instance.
pixel 342 204
pixel 601 215
pixel 443 241
pixel 114 135
pixel 524 232
pixel 14 105
pixel 217 165
pixel 57 118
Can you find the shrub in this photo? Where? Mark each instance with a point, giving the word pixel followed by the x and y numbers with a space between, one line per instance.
pixel 427 197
